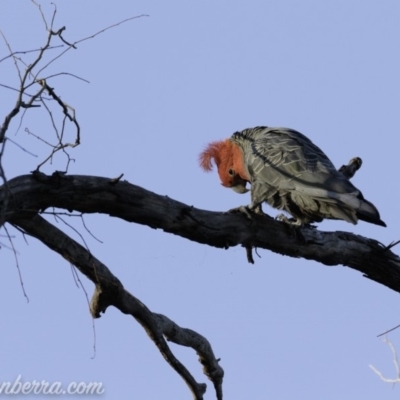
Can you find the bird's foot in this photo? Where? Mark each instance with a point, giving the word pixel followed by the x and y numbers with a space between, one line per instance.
pixel 249 211
pixel 242 209
pixel 295 227
pixel 258 210
pixel 296 223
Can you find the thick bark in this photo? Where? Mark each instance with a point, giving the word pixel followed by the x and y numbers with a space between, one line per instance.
pixel 88 194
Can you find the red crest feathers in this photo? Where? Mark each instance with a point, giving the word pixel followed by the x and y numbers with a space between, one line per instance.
pixel 228 158
pixel 211 152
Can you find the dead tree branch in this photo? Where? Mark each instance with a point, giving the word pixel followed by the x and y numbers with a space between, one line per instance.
pixel 109 291
pixel 88 194
pixel 29 78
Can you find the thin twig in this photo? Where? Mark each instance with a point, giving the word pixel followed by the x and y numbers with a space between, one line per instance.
pixel 29 51
pixel 56 216
pixel 79 284
pixel 22 148
pixel 11 55
pixel 17 264
pixel 110 27
pixel 41 13
pixel 388 331
pixel 66 73
pixel 395 362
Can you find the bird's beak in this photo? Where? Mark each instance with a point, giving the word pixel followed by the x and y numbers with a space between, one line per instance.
pixel 240 188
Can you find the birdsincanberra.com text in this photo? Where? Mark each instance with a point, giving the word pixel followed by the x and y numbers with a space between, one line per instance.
pixel 18 386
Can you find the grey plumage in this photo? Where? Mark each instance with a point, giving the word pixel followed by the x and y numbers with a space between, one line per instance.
pixel 290 173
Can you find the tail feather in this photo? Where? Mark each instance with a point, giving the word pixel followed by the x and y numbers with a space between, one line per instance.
pixel 368 213
pixel 363 209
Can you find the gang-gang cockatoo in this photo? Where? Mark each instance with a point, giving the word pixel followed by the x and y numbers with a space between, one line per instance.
pixel 290 173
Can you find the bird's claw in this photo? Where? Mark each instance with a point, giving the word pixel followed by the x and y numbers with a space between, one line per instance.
pixel 242 209
pixel 258 210
pixel 249 211
pixel 290 221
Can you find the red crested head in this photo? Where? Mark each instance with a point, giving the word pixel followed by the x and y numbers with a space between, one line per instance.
pixel 228 157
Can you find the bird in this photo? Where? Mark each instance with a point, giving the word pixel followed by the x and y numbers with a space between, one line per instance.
pixel 289 172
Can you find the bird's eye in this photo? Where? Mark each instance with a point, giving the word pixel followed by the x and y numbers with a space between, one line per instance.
pixel 231 172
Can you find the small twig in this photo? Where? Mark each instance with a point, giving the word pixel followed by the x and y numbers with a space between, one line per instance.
pixel 38 137
pixel 80 215
pixel 55 150
pixel 57 216
pixel 6 187
pixel 87 229
pixel 41 13
pixel 22 148
pixel 79 284
pixel 67 214
pixel 6 246
pixel 110 27
pixel 395 362
pixel 73 45
pixel 11 55
pixel 249 254
pixel 65 107
pixel 116 180
pixel 389 246
pixel 68 74
pixel 29 51
pixel 388 331
pixel 25 94
pixel 59 34
pixel 17 264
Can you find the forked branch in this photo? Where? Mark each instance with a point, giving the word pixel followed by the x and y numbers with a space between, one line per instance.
pixel 110 292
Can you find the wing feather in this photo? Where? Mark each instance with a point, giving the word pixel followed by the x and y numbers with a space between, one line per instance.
pixel 288 160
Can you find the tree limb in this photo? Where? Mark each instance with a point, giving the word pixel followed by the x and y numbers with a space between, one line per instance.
pixel 110 291
pixel 88 194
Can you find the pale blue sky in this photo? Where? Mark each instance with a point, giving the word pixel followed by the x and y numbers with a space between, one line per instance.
pixel 160 89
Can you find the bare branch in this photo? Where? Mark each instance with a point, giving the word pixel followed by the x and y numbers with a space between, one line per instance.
pixel 110 292
pixel 6 192
pixel 110 27
pixel 395 362
pixel 79 284
pixel 134 204
pixel 68 74
pixel 23 79
pixel 66 110
pixel 17 264
pixel 388 331
pixel 41 13
pixel 38 137
pixel 28 51
pixel 12 54
pixel 73 45
pixel 31 76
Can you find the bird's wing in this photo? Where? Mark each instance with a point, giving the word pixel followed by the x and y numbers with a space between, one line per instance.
pixel 286 159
